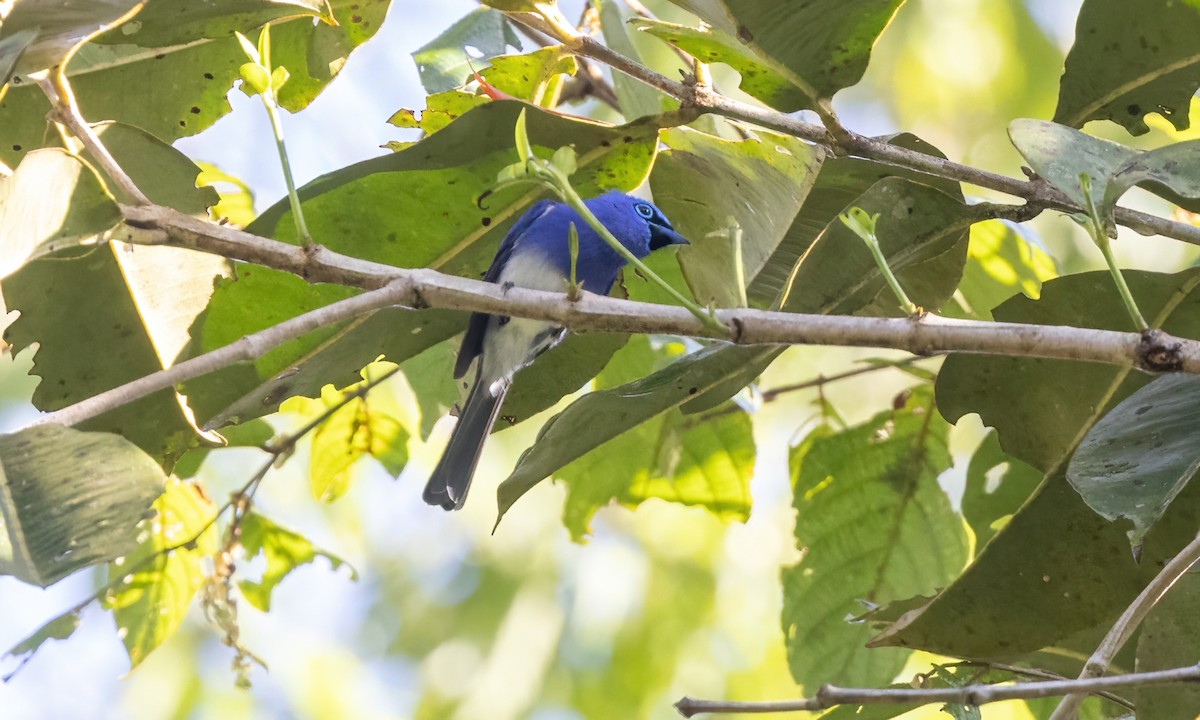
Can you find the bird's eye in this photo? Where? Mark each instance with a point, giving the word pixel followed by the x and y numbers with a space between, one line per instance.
pixel 644 210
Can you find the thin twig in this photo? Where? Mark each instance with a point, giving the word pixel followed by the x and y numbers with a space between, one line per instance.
pixel 830 696
pixel 1039 674
pixel 65 109
pixel 1034 191
pixel 1129 621
pixel 250 347
pixel 822 380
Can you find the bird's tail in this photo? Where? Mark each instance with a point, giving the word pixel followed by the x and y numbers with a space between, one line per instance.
pixel 451 478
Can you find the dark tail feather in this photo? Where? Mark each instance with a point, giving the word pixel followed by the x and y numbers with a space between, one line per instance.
pixel 451 478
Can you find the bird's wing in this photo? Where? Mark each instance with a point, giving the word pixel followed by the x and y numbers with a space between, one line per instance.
pixel 472 343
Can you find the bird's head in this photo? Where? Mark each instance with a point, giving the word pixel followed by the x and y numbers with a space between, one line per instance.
pixel 638 224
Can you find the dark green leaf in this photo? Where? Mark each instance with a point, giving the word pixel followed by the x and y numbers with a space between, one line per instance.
pixel 875 526
pixel 443 63
pixel 822 45
pixel 1169 639
pixel 840 182
pixel 601 416
pixel 923 233
pixel 284 551
pixel 113 315
pixel 56 25
pixel 1138 458
pixel 702 182
pixel 997 485
pixel 704 460
pixel 1058 154
pixel 1174 167
pixel 1013 598
pixel 1130 59
pixel 189 80
pixel 758 78
pixel 51 202
pixel 162 575
pixel 69 499
pixel 163 23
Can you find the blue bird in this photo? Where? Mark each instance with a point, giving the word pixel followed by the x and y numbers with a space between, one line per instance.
pixel 535 254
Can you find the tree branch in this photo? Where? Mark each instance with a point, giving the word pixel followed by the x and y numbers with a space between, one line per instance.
pixel 1129 621
pixel 424 288
pixel 1035 192
pixel 830 696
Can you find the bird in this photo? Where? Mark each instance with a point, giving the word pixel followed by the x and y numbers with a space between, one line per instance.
pixel 535 254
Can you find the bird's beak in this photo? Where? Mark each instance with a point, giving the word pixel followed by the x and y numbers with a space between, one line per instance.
pixel 663 235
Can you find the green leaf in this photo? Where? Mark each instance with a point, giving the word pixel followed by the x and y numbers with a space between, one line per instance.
pixel 69 499
pixel 432 384
pixel 601 416
pixel 923 234
pixel 1116 73
pixel 636 98
pixel 517 75
pixel 57 25
pixel 419 207
pixel 162 575
pixel 236 203
pixel 1169 638
pixel 1058 154
pixel 1001 262
pixel 700 460
pixel 1138 458
pixel 443 63
pixel 840 182
pixel 60 628
pixel 772 175
pixel 111 316
pixel 284 551
pixel 353 431
pixel 560 370
pixel 758 78
pixel 191 74
pixel 12 45
pixel 997 485
pixel 51 202
pixel 1174 167
pixel 874 526
pixel 822 46
pixel 162 24
pixel 255 78
pixel 1015 600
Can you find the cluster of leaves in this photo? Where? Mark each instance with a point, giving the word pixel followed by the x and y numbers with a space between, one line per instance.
pixel 1029 568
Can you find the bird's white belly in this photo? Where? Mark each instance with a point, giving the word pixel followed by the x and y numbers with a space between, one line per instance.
pixel 511 344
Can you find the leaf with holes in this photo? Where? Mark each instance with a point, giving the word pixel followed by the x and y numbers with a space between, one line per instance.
pixel 1130 59
pixel 444 63
pixel 180 89
pixel 821 46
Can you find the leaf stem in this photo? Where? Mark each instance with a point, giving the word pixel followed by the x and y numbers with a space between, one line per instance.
pixel 293 197
pixel 863 225
pixel 1095 228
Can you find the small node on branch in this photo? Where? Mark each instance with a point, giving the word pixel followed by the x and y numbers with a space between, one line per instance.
pixel 1156 354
